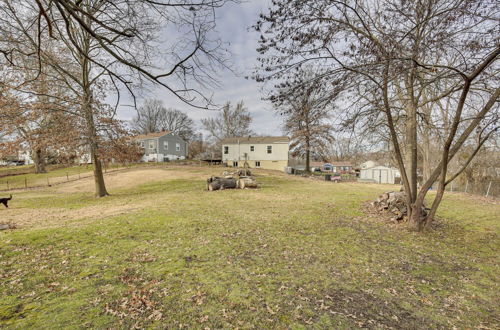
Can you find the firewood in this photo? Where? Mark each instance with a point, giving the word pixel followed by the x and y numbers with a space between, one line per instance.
pixel 217 183
pixel 247 182
pixel 394 203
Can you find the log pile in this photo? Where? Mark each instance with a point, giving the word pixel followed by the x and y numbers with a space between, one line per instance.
pixel 247 182
pixel 394 203
pixel 238 173
pixel 218 183
pixel 240 179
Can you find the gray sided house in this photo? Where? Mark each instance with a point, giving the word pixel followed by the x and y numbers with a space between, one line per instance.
pixel 162 147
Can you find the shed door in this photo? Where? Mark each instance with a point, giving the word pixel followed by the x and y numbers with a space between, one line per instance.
pixel 381 176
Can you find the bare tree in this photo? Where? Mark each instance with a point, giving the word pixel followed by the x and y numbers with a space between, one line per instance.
pixel 149 117
pixel 126 33
pixel 154 117
pixel 395 57
pixel 306 111
pixel 112 44
pixel 230 122
pixel 179 123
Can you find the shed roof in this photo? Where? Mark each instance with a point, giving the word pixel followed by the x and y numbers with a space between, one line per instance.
pixel 380 167
pixel 256 139
pixel 152 135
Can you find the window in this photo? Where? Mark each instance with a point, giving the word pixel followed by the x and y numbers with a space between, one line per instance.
pixel 226 150
pixel 269 149
pixel 165 145
pixel 151 144
pixel 177 147
pixel 235 164
pixel 257 164
pixel 252 148
pixel 142 144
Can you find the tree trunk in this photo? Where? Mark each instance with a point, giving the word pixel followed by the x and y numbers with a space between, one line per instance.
pixel 39 160
pixel 100 187
pixel 426 160
pixel 435 205
pixel 308 138
pixel 416 218
pixel 413 152
pixel 394 137
pixel 308 159
pixel 87 104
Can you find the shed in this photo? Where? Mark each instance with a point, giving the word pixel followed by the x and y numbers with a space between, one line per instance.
pixel 381 174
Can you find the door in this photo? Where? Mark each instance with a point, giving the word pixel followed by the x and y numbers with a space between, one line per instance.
pixel 384 176
pixel 381 176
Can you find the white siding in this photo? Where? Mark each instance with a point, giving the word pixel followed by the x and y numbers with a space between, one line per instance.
pixel 380 174
pixel 236 152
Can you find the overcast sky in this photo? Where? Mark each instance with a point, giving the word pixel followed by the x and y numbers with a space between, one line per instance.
pixel 234 23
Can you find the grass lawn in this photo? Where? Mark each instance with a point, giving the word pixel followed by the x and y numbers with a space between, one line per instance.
pixel 297 253
pixel 19 176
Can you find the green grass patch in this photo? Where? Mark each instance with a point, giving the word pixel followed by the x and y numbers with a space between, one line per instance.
pixel 296 253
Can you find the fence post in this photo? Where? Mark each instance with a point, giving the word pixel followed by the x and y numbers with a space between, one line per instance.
pixel 488 191
pixel 8 185
pixel 48 183
pixel 451 186
pixel 25 183
pixel 466 185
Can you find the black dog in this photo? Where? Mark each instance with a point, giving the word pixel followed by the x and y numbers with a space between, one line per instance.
pixel 4 201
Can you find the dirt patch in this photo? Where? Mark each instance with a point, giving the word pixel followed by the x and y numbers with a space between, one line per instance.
pixel 55 217
pixel 126 179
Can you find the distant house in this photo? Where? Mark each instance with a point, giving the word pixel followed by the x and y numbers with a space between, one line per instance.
pixel 380 174
pixel 269 152
pixel 367 164
pixel 342 167
pixel 162 147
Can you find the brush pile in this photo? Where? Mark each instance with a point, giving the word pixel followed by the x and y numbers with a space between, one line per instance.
pixel 394 203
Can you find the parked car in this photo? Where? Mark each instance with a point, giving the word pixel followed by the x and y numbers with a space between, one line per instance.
pixel 15 163
pixel 336 177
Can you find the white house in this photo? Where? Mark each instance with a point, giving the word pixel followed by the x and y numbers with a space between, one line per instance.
pixel 368 164
pixel 269 152
pixel 381 174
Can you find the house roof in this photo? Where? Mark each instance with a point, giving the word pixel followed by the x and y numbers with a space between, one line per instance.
pixel 316 164
pixel 256 139
pixel 152 135
pixel 377 167
pixel 340 163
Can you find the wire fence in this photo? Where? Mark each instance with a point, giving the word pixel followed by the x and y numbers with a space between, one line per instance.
pixel 30 181
pixel 23 179
pixel 488 188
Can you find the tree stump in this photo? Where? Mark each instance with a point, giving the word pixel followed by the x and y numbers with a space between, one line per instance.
pixel 216 183
pixel 247 182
